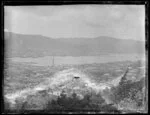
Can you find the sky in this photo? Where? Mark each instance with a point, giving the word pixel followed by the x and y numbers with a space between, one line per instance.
pixel 76 21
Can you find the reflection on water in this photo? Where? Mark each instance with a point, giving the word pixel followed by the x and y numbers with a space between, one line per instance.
pixel 58 60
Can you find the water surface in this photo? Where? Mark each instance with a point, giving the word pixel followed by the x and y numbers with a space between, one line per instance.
pixel 59 60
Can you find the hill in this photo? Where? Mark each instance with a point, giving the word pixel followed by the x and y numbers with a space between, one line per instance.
pixel 19 45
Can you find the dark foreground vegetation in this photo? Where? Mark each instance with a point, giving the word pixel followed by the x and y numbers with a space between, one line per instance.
pixel 126 95
pixel 90 103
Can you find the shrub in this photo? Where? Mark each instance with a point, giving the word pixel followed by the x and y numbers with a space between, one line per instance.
pixel 89 102
pixel 128 94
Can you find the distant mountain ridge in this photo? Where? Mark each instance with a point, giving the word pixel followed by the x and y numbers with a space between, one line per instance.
pixel 19 45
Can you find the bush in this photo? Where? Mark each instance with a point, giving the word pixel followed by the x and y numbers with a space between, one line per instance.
pixel 93 102
pixel 128 94
pixel 89 102
pixel 6 105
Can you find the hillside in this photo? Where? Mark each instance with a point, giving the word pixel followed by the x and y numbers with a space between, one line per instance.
pixel 19 45
pixel 22 80
pixel 34 87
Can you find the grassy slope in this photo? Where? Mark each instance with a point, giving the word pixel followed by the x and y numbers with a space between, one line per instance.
pixel 19 76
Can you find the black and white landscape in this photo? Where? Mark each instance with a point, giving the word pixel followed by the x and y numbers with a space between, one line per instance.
pixel 74 58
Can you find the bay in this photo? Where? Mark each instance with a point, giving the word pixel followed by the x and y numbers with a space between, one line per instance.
pixel 70 60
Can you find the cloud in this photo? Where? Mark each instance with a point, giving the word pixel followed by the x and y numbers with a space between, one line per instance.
pixel 121 21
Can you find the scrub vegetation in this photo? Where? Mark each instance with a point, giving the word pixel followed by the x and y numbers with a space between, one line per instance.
pixel 126 96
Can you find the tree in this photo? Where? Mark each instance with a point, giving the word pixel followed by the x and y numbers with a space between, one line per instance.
pixel 124 79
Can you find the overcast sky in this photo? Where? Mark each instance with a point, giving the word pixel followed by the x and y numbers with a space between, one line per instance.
pixel 120 21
